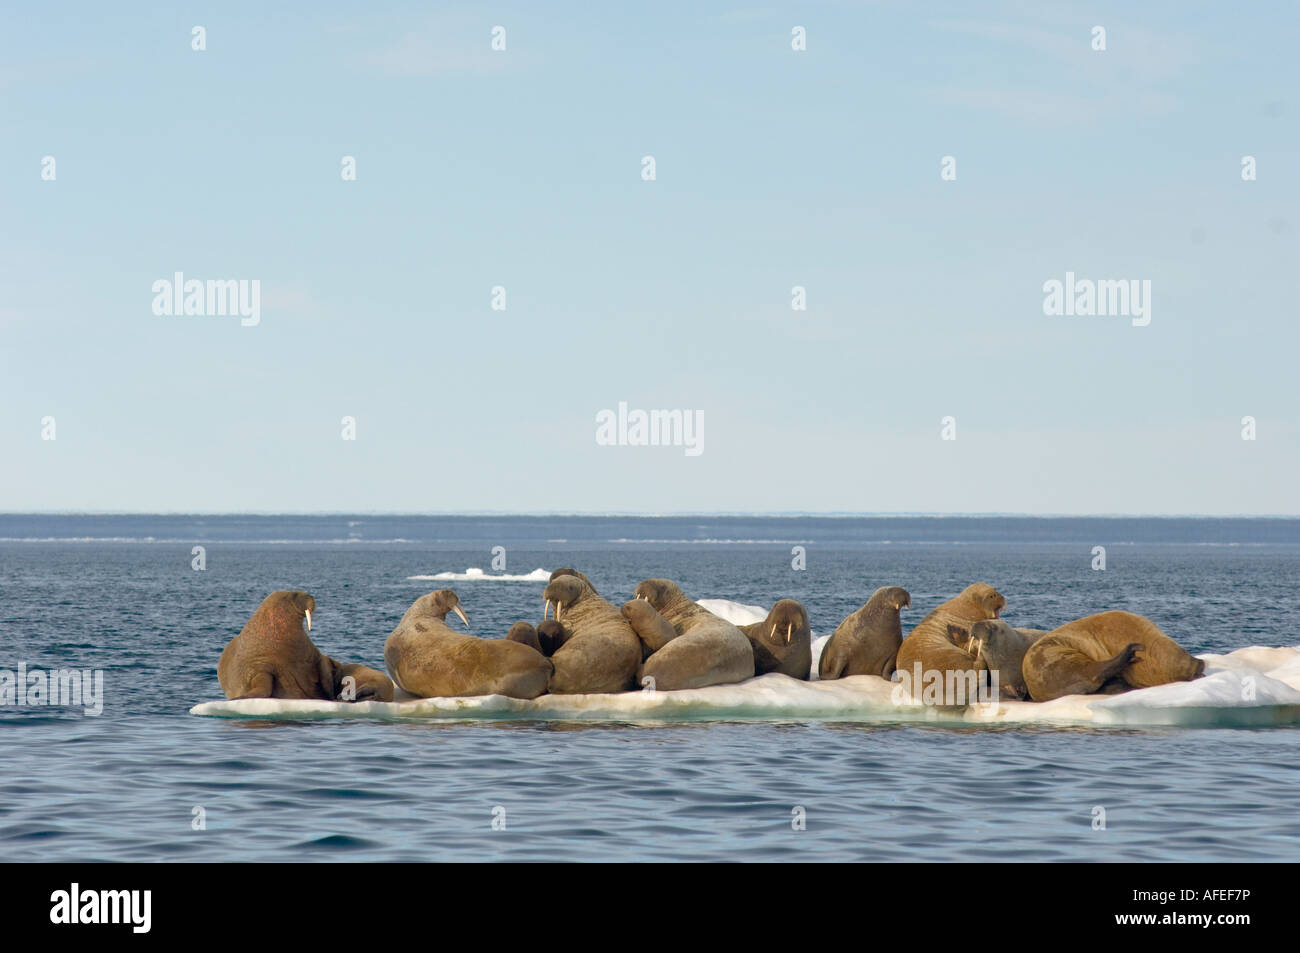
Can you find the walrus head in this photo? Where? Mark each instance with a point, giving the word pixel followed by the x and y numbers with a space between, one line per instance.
pixel 785 620
pixel 564 591
pixel 660 593
pixel 285 612
pixel 525 634
pixel 366 683
pixel 986 598
pixel 439 603
pixel 1001 648
pixel 891 597
pixel 552 636
pixel 571 572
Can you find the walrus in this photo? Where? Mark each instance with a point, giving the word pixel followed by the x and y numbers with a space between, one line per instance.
pixel 930 653
pixel 706 651
pixel 525 634
pixel 651 628
pixel 600 652
pixel 1093 654
pixel 571 572
pixel 1003 650
pixel 867 641
pixel 552 635
pixel 367 684
pixel 782 642
pixel 272 657
pixel 426 658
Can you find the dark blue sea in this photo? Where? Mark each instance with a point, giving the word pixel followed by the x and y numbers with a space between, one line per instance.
pixel 118 593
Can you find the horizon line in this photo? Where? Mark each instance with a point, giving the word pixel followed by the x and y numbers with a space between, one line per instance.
pixel 645 514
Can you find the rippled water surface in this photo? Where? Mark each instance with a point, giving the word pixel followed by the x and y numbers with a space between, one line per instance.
pixel 119 594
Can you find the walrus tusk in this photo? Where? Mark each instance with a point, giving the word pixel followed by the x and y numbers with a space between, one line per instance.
pixel 559 607
pixel 460 612
pixel 772 635
pixel 788 628
pixel 979 647
pixel 546 610
pixel 308 612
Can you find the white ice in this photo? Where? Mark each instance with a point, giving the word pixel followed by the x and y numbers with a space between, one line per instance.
pixel 474 574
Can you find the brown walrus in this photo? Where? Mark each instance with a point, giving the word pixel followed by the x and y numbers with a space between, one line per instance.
pixel 1002 649
pixel 928 654
pixel 272 657
pixel 546 638
pixel 566 571
pixel 426 658
pixel 1095 653
pixel 552 635
pixel 600 652
pixel 782 642
pixel 867 641
pixel 651 628
pixel 707 650
pixel 525 634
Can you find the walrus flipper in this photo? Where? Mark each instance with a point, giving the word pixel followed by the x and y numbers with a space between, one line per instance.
pixel 834 668
pixel 261 685
pixel 651 628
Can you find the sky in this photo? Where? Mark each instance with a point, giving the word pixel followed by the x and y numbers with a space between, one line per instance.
pixel 774 168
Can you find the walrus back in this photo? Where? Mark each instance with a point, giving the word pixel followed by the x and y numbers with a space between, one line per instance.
pixel 256 668
pixel 709 651
pixel 601 655
pixel 703 656
pixel 426 658
pixel 1160 661
pixel 928 646
pixel 865 643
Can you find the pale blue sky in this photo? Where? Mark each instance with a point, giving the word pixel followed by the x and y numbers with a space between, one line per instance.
pixel 775 169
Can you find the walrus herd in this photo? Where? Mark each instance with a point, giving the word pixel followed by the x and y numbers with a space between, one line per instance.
pixel 663 640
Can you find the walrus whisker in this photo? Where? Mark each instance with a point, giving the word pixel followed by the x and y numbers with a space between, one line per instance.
pixel 308 613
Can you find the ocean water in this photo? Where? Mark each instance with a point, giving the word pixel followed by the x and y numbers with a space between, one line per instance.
pixel 117 593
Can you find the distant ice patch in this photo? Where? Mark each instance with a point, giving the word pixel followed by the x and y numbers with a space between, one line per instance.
pixel 473 574
pixel 737 613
